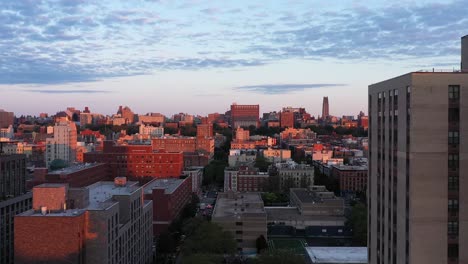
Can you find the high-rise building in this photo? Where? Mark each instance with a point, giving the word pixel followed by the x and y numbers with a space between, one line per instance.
pixel 464 53
pixel 13 200
pixel 205 130
pixel 325 107
pixel 244 115
pixel 106 222
pixel 63 144
pixel 416 187
pixel 6 118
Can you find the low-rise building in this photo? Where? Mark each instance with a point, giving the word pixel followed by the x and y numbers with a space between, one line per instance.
pixel 337 255
pixel 316 200
pixel 244 179
pixel 352 178
pixel 293 175
pixel 238 157
pixel 277 155
pixel 244 215
pixel 106 222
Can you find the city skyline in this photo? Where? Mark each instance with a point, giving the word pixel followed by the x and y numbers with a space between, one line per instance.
pixel 162 56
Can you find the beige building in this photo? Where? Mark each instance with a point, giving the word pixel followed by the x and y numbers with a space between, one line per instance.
pixel 64 143
pixel 277 155
pixel 417 197
pixel 293 175
pixel 244 215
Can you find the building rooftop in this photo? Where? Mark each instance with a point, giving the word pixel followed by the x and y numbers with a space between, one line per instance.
pixel 101 192
pixel 169 185
pixel 68 213
pixel 292 213
pixel 232 204
pixel 347 167
pixel 337 255
pixel 74 168
pixel 313 196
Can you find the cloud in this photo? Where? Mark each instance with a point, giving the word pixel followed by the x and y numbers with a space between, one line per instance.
pixel 271 89
pixel 67 91
pixel 61 41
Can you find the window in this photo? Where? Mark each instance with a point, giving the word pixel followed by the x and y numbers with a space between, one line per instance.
pixel 453 227
pixel 454 91
pixel 452 251
pixel 453 137
pixel 238 223
pixel 453 161
pixel 453 183
pixel 453 205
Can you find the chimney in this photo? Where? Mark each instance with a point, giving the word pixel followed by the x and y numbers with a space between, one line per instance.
pixel 464 53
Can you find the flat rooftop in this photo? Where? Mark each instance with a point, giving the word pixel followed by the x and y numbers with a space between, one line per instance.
pixel 65 213
pixel 74 168
pixel 292 213
pixel 169 185
pixel 101 192
pixel 308 196
pixel 237 204
pixel 346 167
pixel 338 255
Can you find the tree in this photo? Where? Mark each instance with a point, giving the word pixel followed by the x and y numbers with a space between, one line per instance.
pixel 261 244
pixel 58 164
pixel 203 259
pixel 209 238
pixel 262 164
pixel 280 257
pixel 358 222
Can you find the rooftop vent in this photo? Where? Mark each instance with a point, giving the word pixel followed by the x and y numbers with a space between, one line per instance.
pixel 120 181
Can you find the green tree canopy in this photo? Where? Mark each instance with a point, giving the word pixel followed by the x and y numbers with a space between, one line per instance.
pixel 280 257
pixel 209 238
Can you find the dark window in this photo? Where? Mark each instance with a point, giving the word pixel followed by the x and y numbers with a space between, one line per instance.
pixel 454 114
pixel 453 228
pixel 238 223
pixel 452 251
pixel 453 183
pixel 453 161
pixel 454 91
pixel 454 137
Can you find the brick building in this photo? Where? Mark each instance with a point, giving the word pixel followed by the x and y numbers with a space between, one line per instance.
pixel 107 222
pixel 287 119
pixel 244 179
pixel 137 161
pixel 244 115
pixel 169 198
pixel 205 130
pixel 79 175
pixel 352 178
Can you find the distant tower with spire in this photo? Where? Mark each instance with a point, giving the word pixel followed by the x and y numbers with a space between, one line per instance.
pixel 325 108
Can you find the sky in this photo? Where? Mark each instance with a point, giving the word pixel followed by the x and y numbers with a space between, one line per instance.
pixel 200 56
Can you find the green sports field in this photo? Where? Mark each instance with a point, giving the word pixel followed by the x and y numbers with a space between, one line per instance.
pixel 296 245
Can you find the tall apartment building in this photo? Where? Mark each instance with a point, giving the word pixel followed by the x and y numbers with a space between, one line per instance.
pixel 107 222
pixel 63 144
pixel 417 195
pixel 13 200
pixel 287 119
pixel 244 115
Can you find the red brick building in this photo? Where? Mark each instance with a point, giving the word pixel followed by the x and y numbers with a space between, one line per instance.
pixel 184 144
pixel 76 176
pixel 169 198
pixel 205 130
pixel 287 119
pixel 244 115
pixel 351 178
pixel 244 179
pixel 137 161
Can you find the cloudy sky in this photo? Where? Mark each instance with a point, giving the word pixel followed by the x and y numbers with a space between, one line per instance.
pixel 199 56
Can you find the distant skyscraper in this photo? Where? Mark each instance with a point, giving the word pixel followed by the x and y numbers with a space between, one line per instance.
pixel 63 144
pixel 325 108
pixel 417 185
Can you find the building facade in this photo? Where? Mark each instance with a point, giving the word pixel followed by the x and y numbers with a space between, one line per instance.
pixel 244 179
pixel 107 222
pixel 245 115
pixel 244 215
pixel 415 185
pixel 13 200
pixel 137 161
pixel 169 198
pixel 63 144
